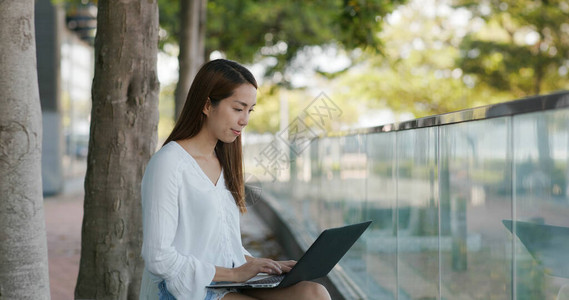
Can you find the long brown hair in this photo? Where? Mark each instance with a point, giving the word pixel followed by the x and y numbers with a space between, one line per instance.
pixel 217 80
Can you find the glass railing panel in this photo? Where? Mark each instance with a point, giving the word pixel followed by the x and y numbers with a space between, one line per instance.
pixel 379 240
pixel 280 159
pixel 310 181
pixel 303 188
pixel 541 144
pixel 475 197
pixel 259 176
pixel 352 178
pixel 331 201
pixel 296 186
pixel 471 210
pixel 417 214
pixel 352 200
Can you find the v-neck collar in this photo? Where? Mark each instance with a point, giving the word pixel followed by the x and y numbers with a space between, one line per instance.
pixel 200 170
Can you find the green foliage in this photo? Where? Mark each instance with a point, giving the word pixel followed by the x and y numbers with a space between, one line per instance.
pixel 265 117
pixel 523 47
pixel 431 66
pixel 360 21
pixel 417 72
pixel 249 30
pixel 169 21
pixel 72 5
pixel 74 2
pixel 421 64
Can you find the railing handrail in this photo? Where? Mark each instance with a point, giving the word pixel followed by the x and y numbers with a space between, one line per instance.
pixel 525 105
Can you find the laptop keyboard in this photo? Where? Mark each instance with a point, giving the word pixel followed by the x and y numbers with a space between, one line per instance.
pixel 272 279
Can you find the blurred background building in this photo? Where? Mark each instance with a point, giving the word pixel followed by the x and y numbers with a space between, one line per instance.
pixel 64 40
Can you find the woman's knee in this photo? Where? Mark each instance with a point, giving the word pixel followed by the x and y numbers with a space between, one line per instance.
pixel 313 290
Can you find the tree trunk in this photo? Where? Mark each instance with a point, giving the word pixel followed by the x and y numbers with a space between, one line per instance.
pixel 124 121
pixel 192 46
pixel 23 247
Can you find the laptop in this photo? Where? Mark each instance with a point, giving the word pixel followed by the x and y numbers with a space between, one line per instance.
pixel 317 261
pixel 547 244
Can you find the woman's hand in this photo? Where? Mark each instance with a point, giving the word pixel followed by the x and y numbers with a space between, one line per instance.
pixel 251 268
pixel 286 265
pixel 254 266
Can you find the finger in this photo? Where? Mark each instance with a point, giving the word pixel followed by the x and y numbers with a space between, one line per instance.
pixel 286 269
pixel 276 267
pixel 269 267
pixel 272 271
pixel 288 263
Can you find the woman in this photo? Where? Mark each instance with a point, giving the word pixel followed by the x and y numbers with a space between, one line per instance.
pixel 193 191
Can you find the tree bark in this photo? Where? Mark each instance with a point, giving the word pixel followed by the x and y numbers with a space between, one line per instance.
pixel 192 46
pixel 123 136
pixel 23 246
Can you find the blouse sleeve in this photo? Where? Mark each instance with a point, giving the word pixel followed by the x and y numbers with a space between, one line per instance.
pixel 184 275
pixel 245 252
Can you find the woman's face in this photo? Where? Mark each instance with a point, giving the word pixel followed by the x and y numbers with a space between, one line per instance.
pixel 226 120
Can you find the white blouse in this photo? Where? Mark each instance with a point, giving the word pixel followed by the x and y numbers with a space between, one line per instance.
pixel 190 226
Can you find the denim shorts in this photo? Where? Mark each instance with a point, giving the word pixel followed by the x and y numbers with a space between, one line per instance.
pixel 212 294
